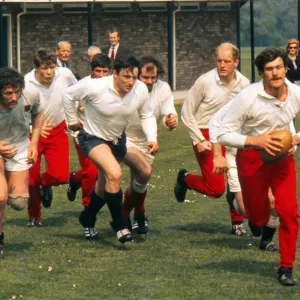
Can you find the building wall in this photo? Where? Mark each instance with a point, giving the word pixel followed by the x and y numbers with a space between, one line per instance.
pixel 197 35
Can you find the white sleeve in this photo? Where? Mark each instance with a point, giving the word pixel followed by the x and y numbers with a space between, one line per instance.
pixel 231 123
pixel 214 122
pixel 70 96
pixel 189 108
pixel 168 107
pixel 73 80
pixel 148 120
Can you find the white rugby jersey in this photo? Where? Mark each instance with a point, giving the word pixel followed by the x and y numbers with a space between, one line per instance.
pixel 253 112
pixel 205 98
pixel 51 97
pixel 162 103
pixel 107 114
pixel 15 123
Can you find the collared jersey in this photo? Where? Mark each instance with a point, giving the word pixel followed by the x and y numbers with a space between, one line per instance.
pixel 51 97
pixel 205 98
pixel 254 112
pixel 162 104
pixel 15 123
pixel 107 114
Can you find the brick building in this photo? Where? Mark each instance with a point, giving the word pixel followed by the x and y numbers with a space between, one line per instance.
pixel 198 28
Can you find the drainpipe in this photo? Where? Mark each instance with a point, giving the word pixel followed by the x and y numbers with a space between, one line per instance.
pixel 172 44
pixel 90 24
pixel 19 37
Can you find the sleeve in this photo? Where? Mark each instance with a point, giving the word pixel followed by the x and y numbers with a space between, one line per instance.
pixel 70 96
pixel 32 97
pixel 167 104
pixel 73 79
pixel 37 107
pixel 189 108
pixel 148 120
pixel 215 121
pixel 230 124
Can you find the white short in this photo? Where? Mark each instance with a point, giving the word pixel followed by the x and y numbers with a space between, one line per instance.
pixel 232 174
pixel 19 161
pixel 143 147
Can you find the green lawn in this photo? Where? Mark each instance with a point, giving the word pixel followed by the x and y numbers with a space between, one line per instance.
pixel 188 253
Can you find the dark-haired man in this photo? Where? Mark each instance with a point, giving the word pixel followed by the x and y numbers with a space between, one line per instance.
pixel 18 107
pixel 263 107
pixel 101 66
pixel 137 157
pixel 115 50
pixel 109 103
pixel 51 81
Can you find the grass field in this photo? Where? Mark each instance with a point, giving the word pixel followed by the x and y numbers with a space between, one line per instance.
pixel 188 253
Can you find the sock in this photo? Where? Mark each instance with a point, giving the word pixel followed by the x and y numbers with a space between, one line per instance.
pixel 236 217
pixel 96 203
pixel 114 203
pixel 139 202
pixel 230 197
pixel 2 238
pixel 127 205
pixel 88 215
pixel 267 234
pixel 76 177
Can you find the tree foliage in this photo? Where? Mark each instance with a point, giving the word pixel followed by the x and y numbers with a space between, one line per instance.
pixel 275 21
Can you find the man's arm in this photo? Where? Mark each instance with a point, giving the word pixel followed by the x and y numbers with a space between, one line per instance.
pixel 168 110
pixel 219 161
pixel 229 130
pixel 36 121
pixel 189 109
pixel 149 125
pixel 70 96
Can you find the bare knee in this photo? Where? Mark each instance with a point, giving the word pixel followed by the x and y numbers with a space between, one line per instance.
pixel 18 201
pixel 144 174
pixel 113 178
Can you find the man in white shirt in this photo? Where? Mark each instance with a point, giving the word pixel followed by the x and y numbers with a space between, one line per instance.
pixel 210 92
pixel 229 165
pixel 268 105
pixel 18 107
pixel 51 81
pixel 137 157
pixel 63 52
pixel 109 104
pixel 86 177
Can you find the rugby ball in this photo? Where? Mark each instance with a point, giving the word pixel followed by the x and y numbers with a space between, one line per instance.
pixel 286 141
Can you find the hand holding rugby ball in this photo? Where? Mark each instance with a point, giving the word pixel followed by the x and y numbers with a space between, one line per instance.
pixel 286 141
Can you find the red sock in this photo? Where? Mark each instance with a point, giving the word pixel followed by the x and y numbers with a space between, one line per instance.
pixel 77 177
pixel 139 202
pixel 127 205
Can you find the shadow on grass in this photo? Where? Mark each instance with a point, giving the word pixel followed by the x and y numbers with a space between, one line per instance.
pixel 17 247
pixel 246 266
pixel 202 227
pixel 104 239
pixel 58 221
pixel 232 242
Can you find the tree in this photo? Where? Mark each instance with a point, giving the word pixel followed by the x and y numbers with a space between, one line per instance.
pixel 275 21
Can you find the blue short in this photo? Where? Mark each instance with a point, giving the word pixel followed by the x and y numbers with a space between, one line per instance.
pixel 87 142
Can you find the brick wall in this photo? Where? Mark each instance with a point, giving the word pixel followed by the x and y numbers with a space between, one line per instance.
pixel 197 35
